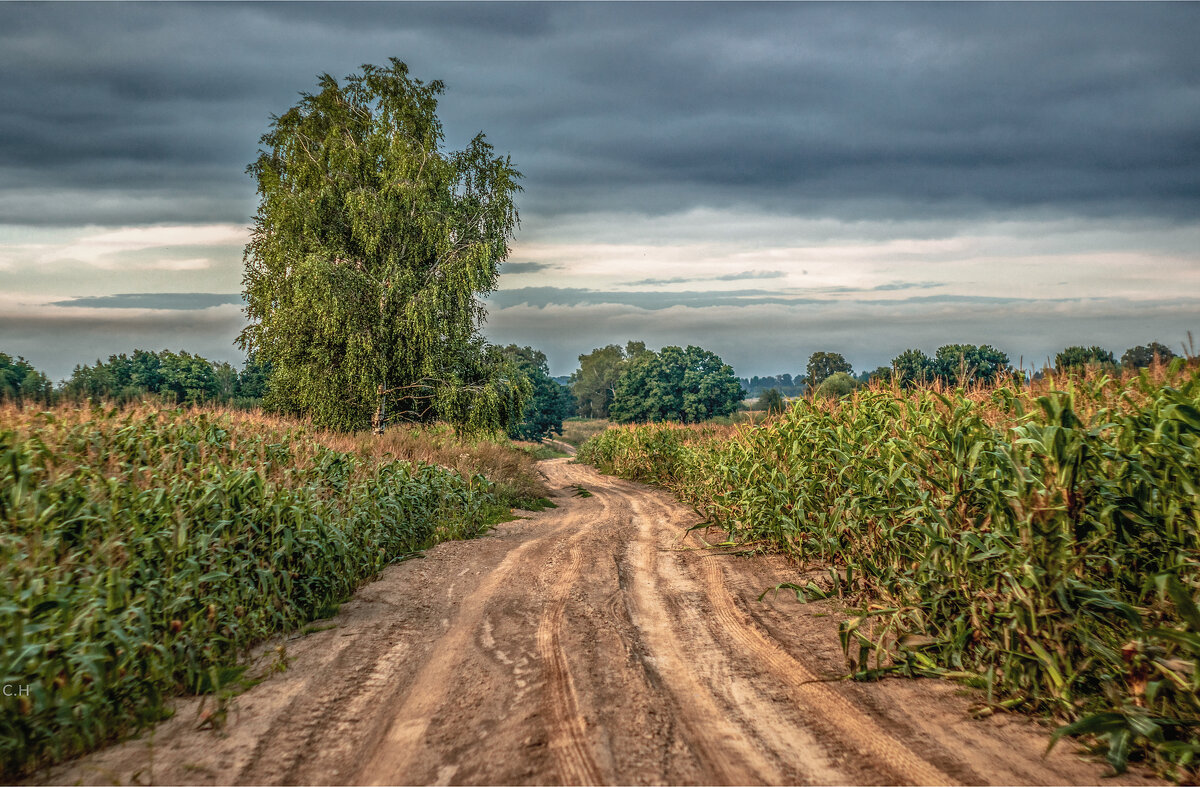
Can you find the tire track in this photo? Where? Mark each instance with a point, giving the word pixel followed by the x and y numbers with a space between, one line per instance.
pixel 719 743
pixel 857 729
pixel 743 738
pixel 400 746
pixel 569 743
pixel 299 737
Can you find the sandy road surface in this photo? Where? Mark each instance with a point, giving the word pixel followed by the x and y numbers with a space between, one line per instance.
pixel 584 644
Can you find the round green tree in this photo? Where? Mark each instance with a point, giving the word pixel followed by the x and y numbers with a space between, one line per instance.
pixel 835 386
pixel 368 254
pixel 675 384
pixel 1078 357
pixel 550 403
pixel 1145 354
pixel 822 364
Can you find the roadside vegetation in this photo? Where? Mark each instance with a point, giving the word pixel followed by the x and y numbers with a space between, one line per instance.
pixel 577 431
pixel 1041 543
pixel 142 550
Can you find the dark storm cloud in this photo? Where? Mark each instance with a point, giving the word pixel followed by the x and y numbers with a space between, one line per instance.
pixel 852 111
pixel 175 301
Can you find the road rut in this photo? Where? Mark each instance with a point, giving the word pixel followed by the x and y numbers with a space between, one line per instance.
pixel 592 643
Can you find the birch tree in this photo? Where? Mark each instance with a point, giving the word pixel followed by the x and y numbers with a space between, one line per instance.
pixel 368 254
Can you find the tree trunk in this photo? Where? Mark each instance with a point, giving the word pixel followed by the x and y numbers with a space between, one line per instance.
pixel 380 418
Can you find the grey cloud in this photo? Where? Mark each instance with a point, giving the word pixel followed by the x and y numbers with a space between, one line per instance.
pixel 906 285
pixel 175 301
pixel 968 299
pixel 653 300
pixel 526 267
pixel 852 111
pixel 777 338
pixel 744 275
pixel 656 300
pixel 673 280
pixel 55 343
pixel 750 275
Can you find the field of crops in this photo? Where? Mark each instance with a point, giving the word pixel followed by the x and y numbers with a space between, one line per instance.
pixel 143 551
pixel 1043 545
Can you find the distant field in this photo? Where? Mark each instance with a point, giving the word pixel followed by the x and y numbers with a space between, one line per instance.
pixel 1042 544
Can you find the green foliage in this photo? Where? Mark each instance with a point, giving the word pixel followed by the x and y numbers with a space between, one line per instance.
pixel 912 368
pixel 822 365
pixel 22 384
pixel 835 386
pixel 142 553
pixel 189 377
pixel 550 403
pixel 881 374
pixel 595 383
pixel 963 364
pixel 1078 357
pixel 1145 354
pixel 953 365
pixel 674 384
pixel 177 378
pixel 368 251
pixel 1043 546
pixel 772 401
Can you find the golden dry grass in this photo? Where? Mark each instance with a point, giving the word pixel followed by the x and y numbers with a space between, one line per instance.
pixel 497 459
pixel 577 431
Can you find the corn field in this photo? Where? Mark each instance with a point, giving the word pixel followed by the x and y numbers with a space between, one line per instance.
pixel 1042 545
pixel 142 552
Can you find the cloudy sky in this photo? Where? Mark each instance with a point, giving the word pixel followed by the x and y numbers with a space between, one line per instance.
pixel 764 180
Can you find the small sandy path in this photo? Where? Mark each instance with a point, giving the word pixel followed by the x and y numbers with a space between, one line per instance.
pixel 592 643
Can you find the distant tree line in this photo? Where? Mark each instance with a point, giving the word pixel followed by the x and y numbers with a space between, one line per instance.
pixel 184 378
pixel 830 374
pixel 176 377
pixel 23 384
pixel 784 384
pixel 626 384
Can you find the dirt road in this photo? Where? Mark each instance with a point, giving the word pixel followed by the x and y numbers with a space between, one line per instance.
pixel 586 644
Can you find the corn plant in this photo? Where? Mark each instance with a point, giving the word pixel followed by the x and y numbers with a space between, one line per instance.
pixel 142 553
pixel 1042 545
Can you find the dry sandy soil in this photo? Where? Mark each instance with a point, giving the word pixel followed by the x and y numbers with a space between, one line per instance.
pixel 592 643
